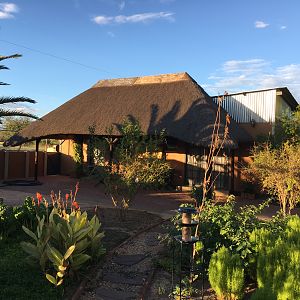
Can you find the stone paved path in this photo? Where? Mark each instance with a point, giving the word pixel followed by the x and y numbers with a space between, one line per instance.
pixel 124 274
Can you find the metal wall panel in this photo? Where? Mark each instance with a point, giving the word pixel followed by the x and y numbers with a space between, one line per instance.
pixel 244 107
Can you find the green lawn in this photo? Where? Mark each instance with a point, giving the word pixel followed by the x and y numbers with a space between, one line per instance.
pixel 19 280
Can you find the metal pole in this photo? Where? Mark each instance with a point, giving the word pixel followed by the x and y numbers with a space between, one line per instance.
pixel 180 274
pixel 173 263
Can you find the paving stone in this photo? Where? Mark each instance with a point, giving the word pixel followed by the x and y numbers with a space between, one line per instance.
pixel 129 260
pixel 152 241
pixel 135 279
pixel 110 294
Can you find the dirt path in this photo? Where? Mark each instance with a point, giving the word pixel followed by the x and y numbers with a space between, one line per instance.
pixel 125 274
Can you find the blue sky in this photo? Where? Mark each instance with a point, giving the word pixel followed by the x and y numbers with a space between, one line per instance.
pixel 230 45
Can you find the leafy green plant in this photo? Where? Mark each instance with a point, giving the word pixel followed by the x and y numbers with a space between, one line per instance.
pixel 60 263
pixel 7 224
pixel 37 251
pixel 287 128
pixel 187 290
pixel 278 260
pixel 65 229
pixel 137 162
pixel 224 225
pixel 226 274
pixel 26 213
pixel 78 158
pixel 278 172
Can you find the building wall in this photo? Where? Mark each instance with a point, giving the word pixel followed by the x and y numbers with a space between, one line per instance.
pixel 281 106
pixel 258 129
pixel 67 163
pixel 177 162
pixel 241 160
pixel 256 112
pixel 259 106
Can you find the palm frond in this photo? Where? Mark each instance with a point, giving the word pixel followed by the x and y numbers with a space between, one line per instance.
pixel 3 67
pixel 10 56
pixel 16 113
pixel 6 100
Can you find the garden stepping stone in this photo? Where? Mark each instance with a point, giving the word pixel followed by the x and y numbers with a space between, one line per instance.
pixel 129 260
pixel 110 294
pixel 124 274
pixel 137 279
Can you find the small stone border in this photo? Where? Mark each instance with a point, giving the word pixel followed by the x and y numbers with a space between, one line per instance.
pixel 109 255
pixel 147 285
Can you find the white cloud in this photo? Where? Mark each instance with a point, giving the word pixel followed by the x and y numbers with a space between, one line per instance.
pixel 252 74
pixel 283 27
pixel 7 10
pixel 261 24
pixel 234 66
pixel 102 20
pixel 20 107
pixel 122 5
pixel 137 18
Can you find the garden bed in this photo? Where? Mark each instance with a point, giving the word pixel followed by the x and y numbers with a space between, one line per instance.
pixel 19 280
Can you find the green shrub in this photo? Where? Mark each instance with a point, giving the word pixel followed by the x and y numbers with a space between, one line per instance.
pixel 12 218
pixel 226 274
pixel 264 294
pixel 278 260
pixel 7 224
pixel 137 162
pixel 224 225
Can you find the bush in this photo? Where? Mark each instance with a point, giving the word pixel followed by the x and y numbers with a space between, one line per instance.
pixel 7 225
pixel 137 162
pixel 226 274
pixel 12 218
pixel 278 260
pixel 278 172
pixel 224 225
pixel 65 240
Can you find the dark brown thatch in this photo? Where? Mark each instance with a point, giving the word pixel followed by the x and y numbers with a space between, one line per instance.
pixel 174 102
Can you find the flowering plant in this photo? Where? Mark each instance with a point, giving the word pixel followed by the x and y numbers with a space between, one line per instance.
pixel 65 239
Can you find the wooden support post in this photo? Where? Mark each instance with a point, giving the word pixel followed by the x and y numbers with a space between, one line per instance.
pixel 185 180
pixel 45 163
pixel 36 159
pixel 232 172
pixel 111 142
pixel 6 164
pixel 111 151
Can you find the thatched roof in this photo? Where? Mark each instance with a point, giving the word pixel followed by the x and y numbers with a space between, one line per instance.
pixel 174 102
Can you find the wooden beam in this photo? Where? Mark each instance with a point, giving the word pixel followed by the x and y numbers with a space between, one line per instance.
pixel 232 172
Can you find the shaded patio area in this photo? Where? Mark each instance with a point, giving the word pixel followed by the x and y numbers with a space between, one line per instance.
pixel 162 203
